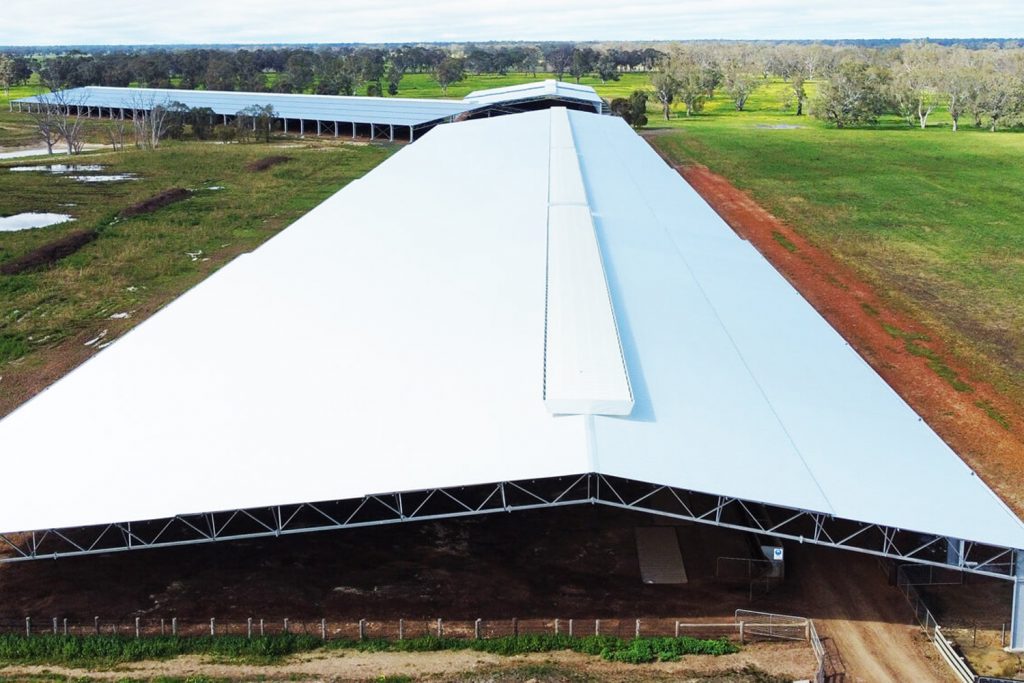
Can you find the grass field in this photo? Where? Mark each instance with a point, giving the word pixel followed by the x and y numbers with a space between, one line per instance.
pixel 931 217
pixel 139 263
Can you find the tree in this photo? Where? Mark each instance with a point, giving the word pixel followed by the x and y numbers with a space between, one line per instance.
pixel 582 63
pixel 255 122
pixel 607 68
pixel 739 85
pixel 394 76
pixel 633 109
pixel 666 87
pixel 149 120
pixel 914 84
pixel 558 58
pixel 853 94
pixel 450 70
pixel 6 74
pixel 44 115
pixel 959 83
pixel 799 94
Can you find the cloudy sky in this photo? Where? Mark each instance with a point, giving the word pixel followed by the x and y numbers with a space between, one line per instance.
pixel 54 22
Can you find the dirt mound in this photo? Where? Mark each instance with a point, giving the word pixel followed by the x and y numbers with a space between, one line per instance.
pixel 49 253
pixel 175 194
pixel 266 162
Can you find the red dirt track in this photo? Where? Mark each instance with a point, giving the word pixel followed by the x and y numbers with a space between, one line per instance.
pixel 858 312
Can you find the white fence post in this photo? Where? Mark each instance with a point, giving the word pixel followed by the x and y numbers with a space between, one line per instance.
pixel 137 630
pixel 323 629
pixel 248 628
pixel 476 629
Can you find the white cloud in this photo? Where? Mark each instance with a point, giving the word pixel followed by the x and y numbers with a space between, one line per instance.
pixel 54 22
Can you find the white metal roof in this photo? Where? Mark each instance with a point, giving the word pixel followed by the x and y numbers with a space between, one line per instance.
pixel 403 111
pixel 377 346
pixel 550 89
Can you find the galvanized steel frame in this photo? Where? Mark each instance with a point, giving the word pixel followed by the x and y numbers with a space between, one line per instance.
pixel 802 526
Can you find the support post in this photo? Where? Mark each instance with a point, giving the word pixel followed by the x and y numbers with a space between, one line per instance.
pixel 362 629
pixel 411 133
pixel 476 629
pixel 248 628
pixel 954 552
pixel 65 625
pixel 570 628
pixel 323 629
pixel 1017 615
pixel 335 129
pixel 302 128
pixel 213 628
pixel 261 628
pixel 96 624
pixel 137 630
pixel 28 627
pixel 401 629
pixel 55 626
pixel 391 132
pixel 286 626
pixel 440 629
pixel 174 626
pixel 162 631
pixel 318 127
pixel 556 627
pixel 597 627
pixel 636 633
pixel 353 130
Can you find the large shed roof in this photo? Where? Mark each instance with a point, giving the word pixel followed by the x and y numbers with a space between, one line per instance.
pixel 404 111
pixel 366 350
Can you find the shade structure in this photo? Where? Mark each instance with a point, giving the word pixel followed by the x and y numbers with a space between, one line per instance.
pixel 380 346
pixel 395 111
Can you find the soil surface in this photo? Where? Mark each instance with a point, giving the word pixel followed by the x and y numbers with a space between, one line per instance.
pixel 267 162
pixel 885 336
pixel 777 659
pixel 49 253
pixel 157 201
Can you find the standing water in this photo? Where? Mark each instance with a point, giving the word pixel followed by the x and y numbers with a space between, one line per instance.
pixel 32 219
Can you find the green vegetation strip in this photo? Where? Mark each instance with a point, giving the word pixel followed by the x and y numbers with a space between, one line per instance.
pixel 112 650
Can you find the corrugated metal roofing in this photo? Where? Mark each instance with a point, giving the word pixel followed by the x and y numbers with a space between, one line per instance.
pixel 364 351
pixel 549 88
pixel 397 111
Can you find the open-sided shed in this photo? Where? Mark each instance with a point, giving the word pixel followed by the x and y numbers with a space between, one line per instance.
pixel 574 325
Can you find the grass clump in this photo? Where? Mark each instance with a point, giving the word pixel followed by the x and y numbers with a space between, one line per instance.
pixel 993 413
pixel 108 650
pixel 784 241
pixel 12 347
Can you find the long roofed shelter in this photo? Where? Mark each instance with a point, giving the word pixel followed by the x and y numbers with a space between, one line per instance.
pixel 574 326
pixel 333 115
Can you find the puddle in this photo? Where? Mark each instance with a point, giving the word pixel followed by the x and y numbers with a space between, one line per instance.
pixel 31 219
pixel 59 168
pixel 114 177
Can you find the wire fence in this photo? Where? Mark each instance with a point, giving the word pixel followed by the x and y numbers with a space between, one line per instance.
pixel 747 626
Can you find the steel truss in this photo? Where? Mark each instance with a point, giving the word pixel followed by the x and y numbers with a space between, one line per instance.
pixel 791 524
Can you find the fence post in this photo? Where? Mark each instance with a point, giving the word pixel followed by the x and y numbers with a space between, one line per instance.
pixel 556 627
pixel 28 627
pixel 65 625
pixel 476 629
pixel 163 631
pixel 213 629
pixel 515 627
pixel 286 626
pixel 597 627
pixel 174 626
pixel 1002 636
pixel 741 632
pixel 248 628
pixel 136 627
pixel 362 629
pixel 677 629
pixel 55 626
pixel 570 628
pixel 401 629
pixel 637 633
pixel 261 628
pixel 440 630
pixel 323 629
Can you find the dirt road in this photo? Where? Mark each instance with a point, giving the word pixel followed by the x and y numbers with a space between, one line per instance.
pixel 869 622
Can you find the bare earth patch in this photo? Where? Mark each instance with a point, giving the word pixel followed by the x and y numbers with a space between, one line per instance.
pixel 267 162
pixel 158 201
pixel 789 660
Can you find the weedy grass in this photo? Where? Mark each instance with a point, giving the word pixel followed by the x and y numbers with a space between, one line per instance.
pixel 112 650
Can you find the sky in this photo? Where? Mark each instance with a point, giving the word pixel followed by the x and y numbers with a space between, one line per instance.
pixel 91 22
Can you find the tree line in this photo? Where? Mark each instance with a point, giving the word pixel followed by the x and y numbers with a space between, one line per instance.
pixel 856 85
pixel 323 70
